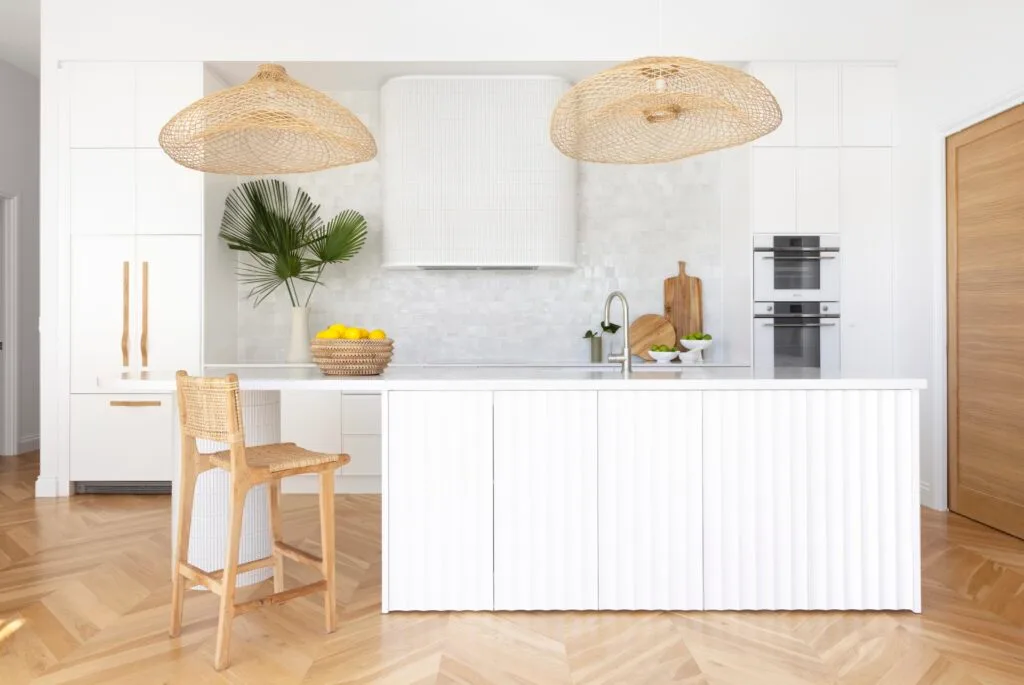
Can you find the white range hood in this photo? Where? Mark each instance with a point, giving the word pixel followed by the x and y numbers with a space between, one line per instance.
pixel 471 179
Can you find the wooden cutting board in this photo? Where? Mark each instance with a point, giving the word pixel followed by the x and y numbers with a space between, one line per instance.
pixel 684 306
pixel 649 330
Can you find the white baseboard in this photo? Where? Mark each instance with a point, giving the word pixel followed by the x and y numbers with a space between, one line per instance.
pixel 47 486
pixel 29 443
pixel 343 485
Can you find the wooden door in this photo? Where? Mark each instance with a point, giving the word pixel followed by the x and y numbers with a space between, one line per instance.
pixel 985 251
pixel 169 301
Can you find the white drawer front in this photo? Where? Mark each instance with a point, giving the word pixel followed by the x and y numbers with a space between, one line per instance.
pixel 360 414
pixel 365 453
pixel 122 437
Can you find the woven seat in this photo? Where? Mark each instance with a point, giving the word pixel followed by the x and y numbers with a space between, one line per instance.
pixel 280 457
pixel 211 409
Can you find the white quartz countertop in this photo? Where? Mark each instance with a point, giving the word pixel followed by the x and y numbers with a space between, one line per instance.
pixel 462 377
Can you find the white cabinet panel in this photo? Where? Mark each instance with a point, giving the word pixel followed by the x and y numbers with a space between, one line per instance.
pixel 122 438
pixel 773 205
pixel 169 329
pixel 780 78
pixel 103 273
pixel 817 105
pixel 817 191
pixel 545 500
pixel 438 502
pixel 312 419
pixel 102 192
pixel 812 500
pixel 101 99
pixel 650 494
pixel 360 414
pixel 869 94
pixel 162 89
pixel 866 221
pixel 168 196
pixel 365 451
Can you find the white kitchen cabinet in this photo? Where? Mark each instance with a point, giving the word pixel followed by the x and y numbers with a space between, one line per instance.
pixel 117 317
pixel 364 452
pixel 312 420
pixel 545 500
pixel 170 296
pixel 817 190
pixel 651 500
pixel 868 97
pixel 168 196
pixel 361 414
pixel 101 101
pixel 866 268
pixel 101 188
pixel 162 89
pixel 773 187
pixel 122 438
pixel 812 503
pixel 780 78
pixel 438 504
pixel 817 104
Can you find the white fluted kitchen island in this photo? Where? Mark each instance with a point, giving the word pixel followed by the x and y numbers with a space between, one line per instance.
pixel 510 488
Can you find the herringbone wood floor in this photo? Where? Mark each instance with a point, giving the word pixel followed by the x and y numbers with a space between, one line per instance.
pixel 91 577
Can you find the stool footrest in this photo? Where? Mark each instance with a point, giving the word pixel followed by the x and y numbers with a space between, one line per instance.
pixel 296 554
pixel 279 597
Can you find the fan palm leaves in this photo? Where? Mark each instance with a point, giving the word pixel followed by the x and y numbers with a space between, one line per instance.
pixel 286 240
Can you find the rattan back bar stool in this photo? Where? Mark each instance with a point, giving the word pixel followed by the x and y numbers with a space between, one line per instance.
pixel 210 409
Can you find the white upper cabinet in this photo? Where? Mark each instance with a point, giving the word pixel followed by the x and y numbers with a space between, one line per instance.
pixel 817 105
pixel 868 99
pixel 125 104
pixel 817 190
pixel 101 188
pixel 168 196
pixel 780 79
pixel 773 187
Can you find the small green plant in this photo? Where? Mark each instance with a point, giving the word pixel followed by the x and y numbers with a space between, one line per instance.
pixel 604 328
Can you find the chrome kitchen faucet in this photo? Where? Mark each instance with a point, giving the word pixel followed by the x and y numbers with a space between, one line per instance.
pixel 626 357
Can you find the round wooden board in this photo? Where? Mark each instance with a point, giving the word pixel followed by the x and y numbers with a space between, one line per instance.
pixel 649 330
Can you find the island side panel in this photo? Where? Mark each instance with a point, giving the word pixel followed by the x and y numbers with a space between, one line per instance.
pixel 545 500
pixel 439 501
pixel 811 499
pixel 650 500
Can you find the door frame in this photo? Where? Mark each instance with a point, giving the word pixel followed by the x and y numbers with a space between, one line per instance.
pixel 9 377
pixel 945 341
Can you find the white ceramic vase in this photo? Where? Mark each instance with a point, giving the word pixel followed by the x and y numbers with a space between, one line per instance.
pixel 298 346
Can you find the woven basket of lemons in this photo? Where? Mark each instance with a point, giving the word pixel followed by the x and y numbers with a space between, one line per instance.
pixel 350 351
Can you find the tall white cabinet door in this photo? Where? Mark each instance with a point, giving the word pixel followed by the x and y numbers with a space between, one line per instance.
pixel 817 104
pixel 867 278
pixel 101 187
pixel 780 78
pixel 170 295
pixel 869 96
pixel 101 103
pixel 168 196
pixel 649 487
pixel 811 500
pixel 773 190
pixel 545 500
pixel 438 501
pixel 162 89
pixel 103 276
pixel 817 191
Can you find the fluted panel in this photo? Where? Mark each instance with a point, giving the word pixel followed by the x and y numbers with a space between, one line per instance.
pixel 438 500
pixel 649 489
pixel 261 416
pixel 470 175
pixel 545 500
pixel 811 500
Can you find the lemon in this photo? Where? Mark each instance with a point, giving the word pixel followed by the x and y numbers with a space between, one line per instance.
pixel 338 327
pixel 327 334
pixel 378 335
pixel 351 334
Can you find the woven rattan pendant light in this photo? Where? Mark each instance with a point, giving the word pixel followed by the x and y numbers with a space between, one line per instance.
pixel 271 124
pixel 660 109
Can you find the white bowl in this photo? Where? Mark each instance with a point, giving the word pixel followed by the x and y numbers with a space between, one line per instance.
pixel 696 344
pixel 663 357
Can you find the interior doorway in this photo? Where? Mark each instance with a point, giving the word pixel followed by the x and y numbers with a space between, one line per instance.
pixel 985 318
pixel 7 391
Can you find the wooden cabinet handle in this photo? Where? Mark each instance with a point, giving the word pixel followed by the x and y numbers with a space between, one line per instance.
pixel 145 315
pixel 135 403
pixel 124 323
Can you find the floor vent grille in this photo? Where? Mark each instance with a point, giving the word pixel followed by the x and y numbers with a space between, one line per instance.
pixel 141 487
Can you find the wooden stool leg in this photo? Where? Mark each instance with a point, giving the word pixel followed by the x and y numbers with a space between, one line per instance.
pixel 327 543
pixel 187 484
pixel 274 493
pixel 227 599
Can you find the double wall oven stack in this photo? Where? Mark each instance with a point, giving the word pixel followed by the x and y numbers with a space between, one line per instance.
pixel 796 302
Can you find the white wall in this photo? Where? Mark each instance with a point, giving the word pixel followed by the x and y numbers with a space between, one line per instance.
pixel 963 62
pixel 19 176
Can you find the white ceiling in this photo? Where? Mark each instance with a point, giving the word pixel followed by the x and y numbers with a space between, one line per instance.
pixel 19 34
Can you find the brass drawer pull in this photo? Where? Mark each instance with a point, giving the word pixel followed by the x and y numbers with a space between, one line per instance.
pixel 135 403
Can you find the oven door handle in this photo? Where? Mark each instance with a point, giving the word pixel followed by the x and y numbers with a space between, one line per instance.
pixel 798 325
pixel 798 259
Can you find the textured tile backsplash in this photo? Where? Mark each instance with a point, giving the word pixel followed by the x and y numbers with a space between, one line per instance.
pixel 635 224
